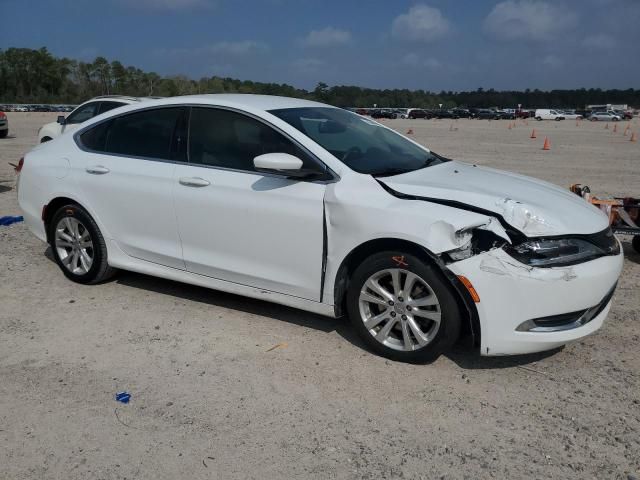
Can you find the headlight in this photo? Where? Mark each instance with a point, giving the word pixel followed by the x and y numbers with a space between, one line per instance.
pixel 555 252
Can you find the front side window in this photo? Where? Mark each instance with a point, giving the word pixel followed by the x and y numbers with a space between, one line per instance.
pixel 83 113
pixel 227 139
pixel 363 145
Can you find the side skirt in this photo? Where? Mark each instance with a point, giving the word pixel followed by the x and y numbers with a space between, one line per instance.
pixel 119 259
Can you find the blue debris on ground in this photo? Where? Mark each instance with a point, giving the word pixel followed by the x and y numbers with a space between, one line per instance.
pixel 4 221
pixel 123 397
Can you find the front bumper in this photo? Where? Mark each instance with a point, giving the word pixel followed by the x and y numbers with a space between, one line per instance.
pixel 516 300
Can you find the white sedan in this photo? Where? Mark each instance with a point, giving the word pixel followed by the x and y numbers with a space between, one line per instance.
pixel 315 207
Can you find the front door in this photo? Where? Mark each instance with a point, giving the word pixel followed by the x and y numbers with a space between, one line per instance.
pixel 242 226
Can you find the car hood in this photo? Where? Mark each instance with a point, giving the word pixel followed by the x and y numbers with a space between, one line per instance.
pixel 534 207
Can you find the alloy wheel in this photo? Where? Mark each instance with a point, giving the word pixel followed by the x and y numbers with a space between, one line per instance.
pixel 399 309
pixel 74 245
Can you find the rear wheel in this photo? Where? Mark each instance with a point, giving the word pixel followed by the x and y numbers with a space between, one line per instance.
pixel 4 133
pixel 539 119
pixel 78 246
pixel 403 308
pixel 635 243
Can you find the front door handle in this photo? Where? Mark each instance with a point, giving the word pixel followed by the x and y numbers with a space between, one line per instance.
pixel 97 170
pixel 194 182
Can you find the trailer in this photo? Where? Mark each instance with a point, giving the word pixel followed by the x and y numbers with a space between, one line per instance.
pixel 623 212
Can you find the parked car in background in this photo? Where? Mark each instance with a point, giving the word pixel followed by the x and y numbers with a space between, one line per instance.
pixel 383 113
pixel 414 113
pixel 4 125
pixel 506 114
pixel 608 116
pixel 487 114
pixel 548 114
pixel 571 115
pixel 312 206
pixel 82 113
pixel 525 113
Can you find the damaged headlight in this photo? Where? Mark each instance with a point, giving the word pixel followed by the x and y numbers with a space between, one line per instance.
pixel 556 252
pixel 474 242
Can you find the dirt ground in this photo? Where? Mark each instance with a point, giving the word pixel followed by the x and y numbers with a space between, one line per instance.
pixel 212 399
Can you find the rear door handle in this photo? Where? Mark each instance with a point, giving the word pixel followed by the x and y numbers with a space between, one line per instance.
pixel 194 182
pixel 97 170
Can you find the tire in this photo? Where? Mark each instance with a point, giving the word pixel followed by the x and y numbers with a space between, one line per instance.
pixel 635 243
pixel 78 247
pixel 4 133
pixel 539 119
pixel 392 333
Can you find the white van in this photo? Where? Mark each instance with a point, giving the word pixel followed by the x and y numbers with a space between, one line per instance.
pixel 546 114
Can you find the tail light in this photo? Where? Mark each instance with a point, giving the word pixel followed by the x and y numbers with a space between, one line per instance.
pixel 18 167
pixel 3 115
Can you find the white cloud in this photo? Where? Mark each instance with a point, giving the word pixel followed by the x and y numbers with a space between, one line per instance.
pixel 309 65
pixel 416 61
pixel 599 40
pixel 420 24
pixel 244 47
pixel 528 20
pixel 553 61
pixel 327 37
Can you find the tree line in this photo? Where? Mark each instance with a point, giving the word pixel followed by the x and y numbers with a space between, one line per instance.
pixel 37 76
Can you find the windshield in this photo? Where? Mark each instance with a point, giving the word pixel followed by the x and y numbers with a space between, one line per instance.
pixel 361 144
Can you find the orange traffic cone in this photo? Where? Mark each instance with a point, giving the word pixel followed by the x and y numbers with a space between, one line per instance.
pixel 547 144
pixel 606 127
pixel 533 133
pixel 633 137
pixel 410 131
pixel 615 127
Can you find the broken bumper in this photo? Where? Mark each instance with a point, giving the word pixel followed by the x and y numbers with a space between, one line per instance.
pixel 518 301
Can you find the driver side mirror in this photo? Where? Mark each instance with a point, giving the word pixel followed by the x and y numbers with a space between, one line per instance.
pixel 60 119
pixel 278 163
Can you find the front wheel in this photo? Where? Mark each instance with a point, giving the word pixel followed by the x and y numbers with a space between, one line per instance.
pixel 403 308
pixel 78 246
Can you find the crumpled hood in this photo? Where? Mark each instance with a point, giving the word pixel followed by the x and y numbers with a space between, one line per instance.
pixel 534 207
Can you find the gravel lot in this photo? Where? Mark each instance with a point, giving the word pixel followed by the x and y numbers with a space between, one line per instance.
pixel 212 399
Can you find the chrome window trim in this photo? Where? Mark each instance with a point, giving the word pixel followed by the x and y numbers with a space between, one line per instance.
pixel 323 166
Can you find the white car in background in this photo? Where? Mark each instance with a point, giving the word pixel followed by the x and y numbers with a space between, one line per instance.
pixel 571 115
pixel 315 207
pixel 605 116
pixel 548 114
pixel 82 113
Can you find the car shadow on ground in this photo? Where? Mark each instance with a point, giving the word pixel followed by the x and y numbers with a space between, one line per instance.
pixel 469 358
pixel 463 354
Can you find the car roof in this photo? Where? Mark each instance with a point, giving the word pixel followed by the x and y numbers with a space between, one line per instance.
pixel 239 100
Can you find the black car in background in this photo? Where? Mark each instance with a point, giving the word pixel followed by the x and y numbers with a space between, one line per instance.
pixel 382 113
pixel 418 113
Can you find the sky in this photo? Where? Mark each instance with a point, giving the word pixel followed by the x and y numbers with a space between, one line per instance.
pixel 434 45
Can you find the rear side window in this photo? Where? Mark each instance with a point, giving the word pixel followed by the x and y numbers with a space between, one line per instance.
pixel 144 134
pixel 227 139
pixel 96 138
pixel 106 106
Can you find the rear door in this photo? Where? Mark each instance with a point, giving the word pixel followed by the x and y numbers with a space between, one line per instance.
pixel 127 180
pixel 242 226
